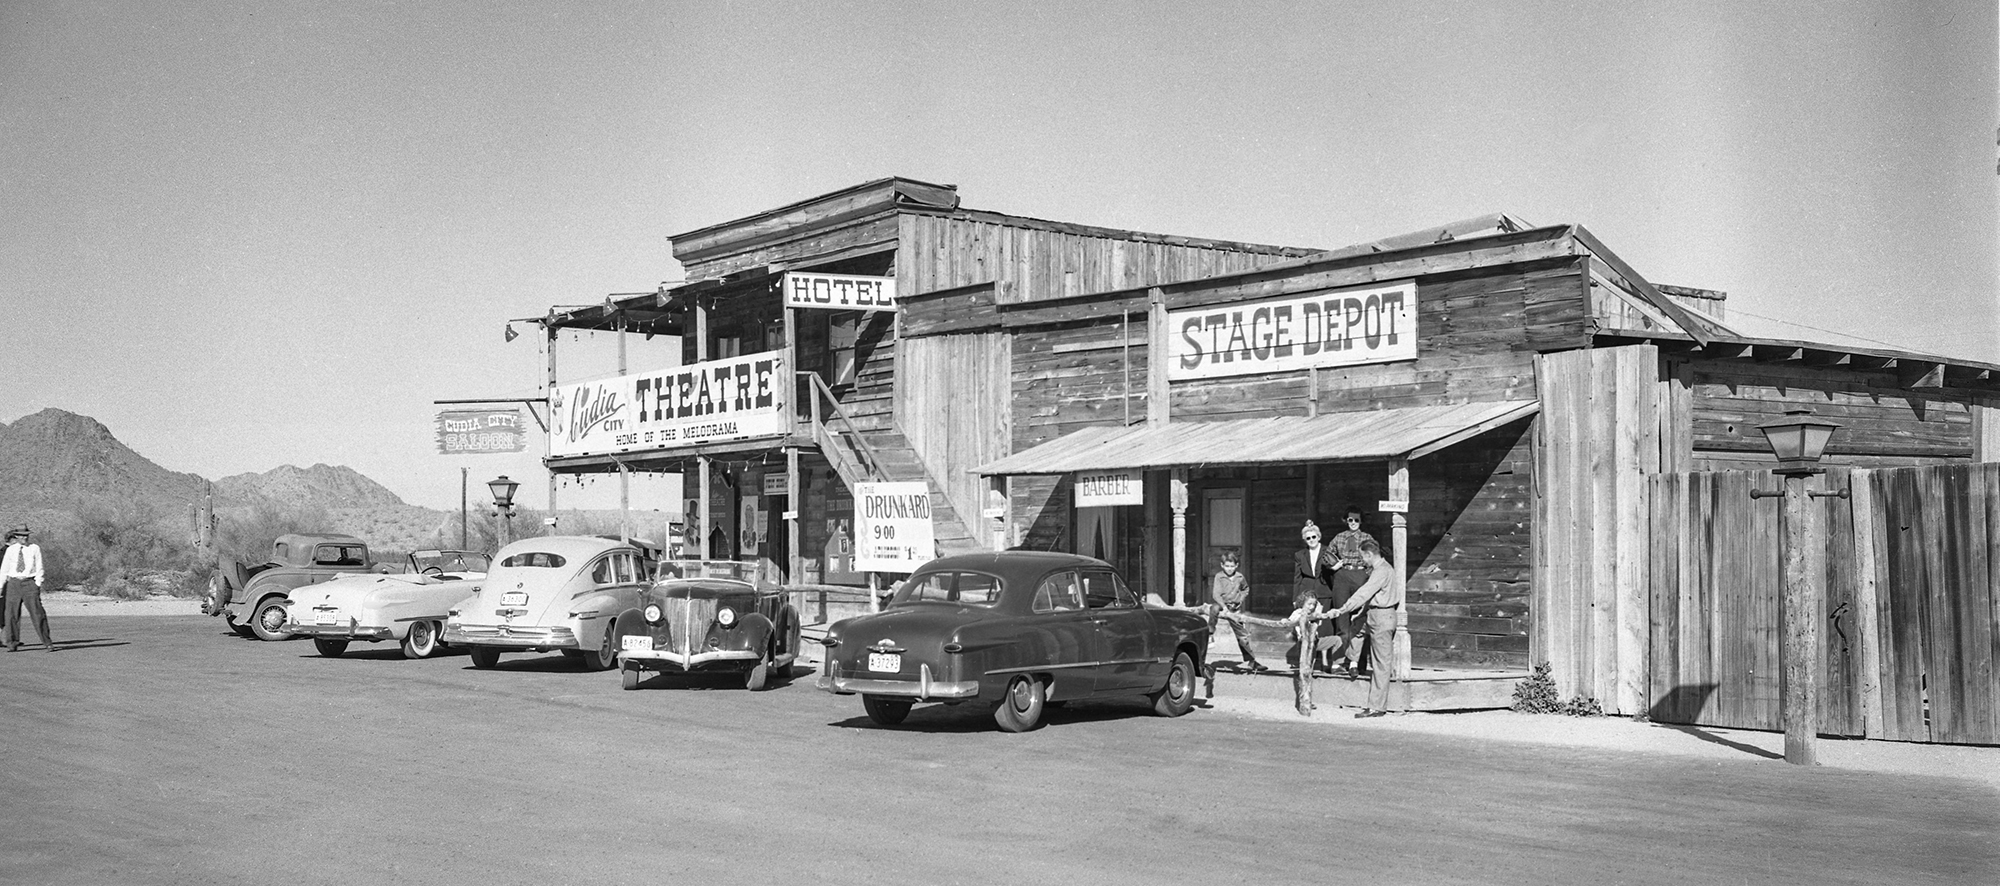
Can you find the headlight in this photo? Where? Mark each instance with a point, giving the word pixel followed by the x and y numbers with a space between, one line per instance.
pixel 726 617
pixel 653 613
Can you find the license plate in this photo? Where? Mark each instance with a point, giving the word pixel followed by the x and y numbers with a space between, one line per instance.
pixel 641 643
pixel 514 598
pixel 885 662
pixel 324 618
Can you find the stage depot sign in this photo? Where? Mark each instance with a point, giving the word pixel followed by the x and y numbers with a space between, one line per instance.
pixel 480 431
pixel 736 398
pixel 839 292
pixel 892 526
pixel 1343 327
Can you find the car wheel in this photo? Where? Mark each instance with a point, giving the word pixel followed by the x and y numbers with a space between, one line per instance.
pixel 268 621
pixel 885 711
pixel 421 641
pixel 1021 708
pixel 485 657
pixel 1177 697
pixel 605 657
pixel 328 647
pixel 630 679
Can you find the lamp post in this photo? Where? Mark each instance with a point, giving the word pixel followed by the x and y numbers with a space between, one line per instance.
pixel 503 500
pixel 1798 440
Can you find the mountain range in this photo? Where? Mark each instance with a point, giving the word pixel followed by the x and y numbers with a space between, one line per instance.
pixel 56 464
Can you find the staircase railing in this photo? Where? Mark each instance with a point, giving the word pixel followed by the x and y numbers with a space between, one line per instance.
pixel 845 440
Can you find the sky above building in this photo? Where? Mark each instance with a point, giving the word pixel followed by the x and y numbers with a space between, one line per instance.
pixel 245 235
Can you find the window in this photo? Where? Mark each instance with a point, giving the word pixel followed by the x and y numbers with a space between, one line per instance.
pixel 603 573
pixel 1057 593
pixel 628 568
pixel 963 588
pixel 536 559
pixel 1104 590
pixel 338 555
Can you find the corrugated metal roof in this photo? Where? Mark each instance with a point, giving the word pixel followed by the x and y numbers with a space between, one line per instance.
pixel 1411 432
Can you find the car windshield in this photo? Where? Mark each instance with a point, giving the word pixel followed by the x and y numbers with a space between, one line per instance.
pixel 962 588
pixel 449 561
pixel 761 572
pixel 542 559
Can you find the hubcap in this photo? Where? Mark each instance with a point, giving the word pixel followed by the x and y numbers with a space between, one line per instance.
pixel 1023 696
pixel 274 618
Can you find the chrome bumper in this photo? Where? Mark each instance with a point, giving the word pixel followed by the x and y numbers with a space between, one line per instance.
pixel 923 688
pixel 510 636
pixel 687 661
pixel 349 631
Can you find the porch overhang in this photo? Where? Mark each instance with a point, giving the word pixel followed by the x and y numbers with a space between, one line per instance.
pixel 1411 432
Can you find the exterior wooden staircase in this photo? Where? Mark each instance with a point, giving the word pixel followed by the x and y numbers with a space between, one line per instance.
pixel 865 451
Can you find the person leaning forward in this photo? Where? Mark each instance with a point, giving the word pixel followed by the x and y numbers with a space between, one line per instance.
pixel 1380 598
pixel 21 575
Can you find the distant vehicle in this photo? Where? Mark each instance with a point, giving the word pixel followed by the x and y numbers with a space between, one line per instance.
pixel 709 616
pixel 1019 630
pixel 552 592
pixel 253 599
pixel 408 608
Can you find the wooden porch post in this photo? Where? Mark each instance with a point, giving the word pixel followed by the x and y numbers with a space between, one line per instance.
pixel 1399 533
pixel 548 393
pixel 796 562
pixel 1178 499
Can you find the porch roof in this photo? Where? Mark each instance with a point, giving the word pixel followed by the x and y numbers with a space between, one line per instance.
pixel 1411 432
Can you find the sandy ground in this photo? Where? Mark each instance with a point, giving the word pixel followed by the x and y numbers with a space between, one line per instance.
pixel 1700 745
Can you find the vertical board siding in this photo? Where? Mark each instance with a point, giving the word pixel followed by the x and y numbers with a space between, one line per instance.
pixel 955 410
pixel 1909 606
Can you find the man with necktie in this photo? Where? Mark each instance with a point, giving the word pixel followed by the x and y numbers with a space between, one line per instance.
pixel 21 574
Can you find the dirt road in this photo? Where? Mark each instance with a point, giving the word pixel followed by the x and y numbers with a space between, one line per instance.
pixel 161 750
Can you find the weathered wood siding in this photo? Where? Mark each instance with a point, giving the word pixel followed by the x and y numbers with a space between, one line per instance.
pixel 1909 608
pixel 955 409
pixel 1883 424
pixel 1471 551
pixel 1598 441
pixel 1033 260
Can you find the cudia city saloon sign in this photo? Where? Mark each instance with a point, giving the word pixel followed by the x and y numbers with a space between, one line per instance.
pixel 1339 327
pixel 736 398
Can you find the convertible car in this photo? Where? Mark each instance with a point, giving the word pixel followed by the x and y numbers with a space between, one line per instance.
pixel 1019 630
pixel 408 608
pixel 556 592
pixel 710 616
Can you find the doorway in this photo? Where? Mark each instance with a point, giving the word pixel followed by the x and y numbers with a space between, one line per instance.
pixel 1223 523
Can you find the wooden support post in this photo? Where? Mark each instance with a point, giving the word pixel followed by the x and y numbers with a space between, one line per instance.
pixel 1798 618
pixel 701 490
pixel 1399 534
pixel 548 392
pixel 624 502
pixel 1178 499
pixel 1158 346
pixel 794 568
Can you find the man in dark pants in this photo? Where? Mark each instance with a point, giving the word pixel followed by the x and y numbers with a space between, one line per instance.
pixel 1380 599
pixel 1348 575
pixel 21 574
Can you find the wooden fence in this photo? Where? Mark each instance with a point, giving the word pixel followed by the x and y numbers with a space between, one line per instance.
pixel 1908 608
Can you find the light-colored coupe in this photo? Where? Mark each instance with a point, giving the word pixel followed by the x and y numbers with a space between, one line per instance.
pixel 408 608
pixel 557 592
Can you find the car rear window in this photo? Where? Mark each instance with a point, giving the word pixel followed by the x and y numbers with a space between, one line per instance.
pixel 963 588
pixel 542 559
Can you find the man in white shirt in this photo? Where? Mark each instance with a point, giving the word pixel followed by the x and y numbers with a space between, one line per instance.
pixel 21 574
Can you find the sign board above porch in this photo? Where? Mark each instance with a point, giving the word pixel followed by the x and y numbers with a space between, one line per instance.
pixel 735 398
pixel 1336 327
pixel 481 431
pixel 839 292
pixel 1098 489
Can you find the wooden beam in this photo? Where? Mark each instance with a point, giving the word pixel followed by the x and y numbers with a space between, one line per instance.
pixel 1158 390
pixel 1870 361
pixel 1920 374
pixel 1816 357
pixel 1776 353
pixel 1695 328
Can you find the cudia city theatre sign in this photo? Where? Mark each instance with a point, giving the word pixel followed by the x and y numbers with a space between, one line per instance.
pixel 735 398
pixel 1339 327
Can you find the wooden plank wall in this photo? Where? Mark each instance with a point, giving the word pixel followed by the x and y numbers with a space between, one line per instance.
pixel 1470 538
pixel 955 409
pixel 1908 614
pixel 1037 261
pixel 1883 424
pixel 1598 440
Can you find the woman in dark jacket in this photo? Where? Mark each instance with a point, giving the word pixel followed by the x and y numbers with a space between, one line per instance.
pixel 1312 573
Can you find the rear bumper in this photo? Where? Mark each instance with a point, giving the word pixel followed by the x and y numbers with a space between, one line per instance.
pixel 512 636
pixel 349 631
pixel 923 688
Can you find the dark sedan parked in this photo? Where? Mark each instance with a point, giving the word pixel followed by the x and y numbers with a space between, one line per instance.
pixel 1019 630
pixel 710 615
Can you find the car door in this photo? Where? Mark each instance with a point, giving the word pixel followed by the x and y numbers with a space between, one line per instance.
pixel 1067 633
pixel 1124 632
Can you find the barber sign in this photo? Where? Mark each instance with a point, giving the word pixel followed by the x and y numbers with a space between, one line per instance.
pixel 1337 327
pixel 839 292
pixel 892 527
pixel 1098 489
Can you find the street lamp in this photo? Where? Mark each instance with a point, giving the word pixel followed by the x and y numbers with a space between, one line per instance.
pixel 503 499
pixel 1798 440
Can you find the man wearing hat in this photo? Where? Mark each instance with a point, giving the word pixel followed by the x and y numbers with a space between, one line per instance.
pixel 21 573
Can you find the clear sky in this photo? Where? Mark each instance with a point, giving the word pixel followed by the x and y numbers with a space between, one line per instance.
pixel 245 235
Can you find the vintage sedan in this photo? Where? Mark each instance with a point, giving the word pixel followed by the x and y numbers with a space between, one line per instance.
pixel 408 608
pixel 711 616
pixel 1018 630
pixel 557 592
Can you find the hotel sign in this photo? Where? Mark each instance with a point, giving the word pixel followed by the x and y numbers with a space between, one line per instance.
pixel 839 292
pixel 1341 327
pixel 735 398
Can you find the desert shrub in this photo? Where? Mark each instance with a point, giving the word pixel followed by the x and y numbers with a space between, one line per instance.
pixel 102 539
pixel 1537 695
